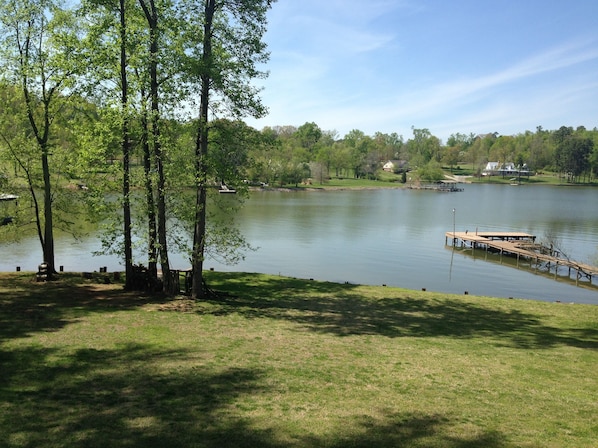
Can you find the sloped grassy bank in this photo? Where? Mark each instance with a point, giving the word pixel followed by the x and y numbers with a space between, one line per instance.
pixel 277 362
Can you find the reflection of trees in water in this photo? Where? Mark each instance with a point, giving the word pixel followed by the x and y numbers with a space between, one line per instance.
pixel 552 240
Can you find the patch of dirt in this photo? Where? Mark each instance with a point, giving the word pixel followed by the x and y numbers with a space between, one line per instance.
pixel 183 305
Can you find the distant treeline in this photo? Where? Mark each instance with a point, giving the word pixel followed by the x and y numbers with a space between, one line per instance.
pixel 297 152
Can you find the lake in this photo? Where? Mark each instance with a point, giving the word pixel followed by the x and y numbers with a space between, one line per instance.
pixel 394 237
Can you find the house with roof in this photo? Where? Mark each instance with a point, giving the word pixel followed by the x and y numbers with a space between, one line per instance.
pixel 498 169
pixel 396 166
pixel 505 169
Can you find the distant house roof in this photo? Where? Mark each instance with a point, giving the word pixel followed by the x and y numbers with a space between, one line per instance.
pixel 497 166
pixel 393 164
pixel 493 168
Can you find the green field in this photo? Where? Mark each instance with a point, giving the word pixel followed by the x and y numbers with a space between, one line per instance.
pixel 279 362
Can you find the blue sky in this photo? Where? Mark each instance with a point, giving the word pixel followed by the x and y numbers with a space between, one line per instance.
pixel 450 66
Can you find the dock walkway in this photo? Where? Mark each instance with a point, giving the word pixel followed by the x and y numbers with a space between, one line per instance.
pixel 447 186
pixel 521 245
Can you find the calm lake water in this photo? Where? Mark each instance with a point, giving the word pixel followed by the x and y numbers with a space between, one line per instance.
pixel 394 237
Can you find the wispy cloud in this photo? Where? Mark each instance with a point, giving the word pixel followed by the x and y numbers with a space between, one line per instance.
pixel 469 89
pixel 343 70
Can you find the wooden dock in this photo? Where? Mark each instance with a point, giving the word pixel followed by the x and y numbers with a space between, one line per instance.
pixel 447 186
pixel 521 245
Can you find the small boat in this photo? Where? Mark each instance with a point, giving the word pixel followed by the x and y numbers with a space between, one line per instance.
pixel 8 197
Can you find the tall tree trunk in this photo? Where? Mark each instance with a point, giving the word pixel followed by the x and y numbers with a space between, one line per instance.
pixel 201 154
pixel 48 244
pixel 152 250
pixel 42 135
pixel 151 15
pixel 128 247
pixel 159 155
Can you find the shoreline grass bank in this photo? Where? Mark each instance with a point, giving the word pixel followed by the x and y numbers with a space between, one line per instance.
pixel 281 362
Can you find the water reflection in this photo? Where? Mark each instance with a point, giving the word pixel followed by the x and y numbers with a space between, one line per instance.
pixel 561 273
pixel 393 237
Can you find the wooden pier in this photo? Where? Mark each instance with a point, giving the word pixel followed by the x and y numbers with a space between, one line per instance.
pixel 521 245
pixel 447 186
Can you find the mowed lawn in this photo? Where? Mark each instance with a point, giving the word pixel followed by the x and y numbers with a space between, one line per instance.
pixel 279 362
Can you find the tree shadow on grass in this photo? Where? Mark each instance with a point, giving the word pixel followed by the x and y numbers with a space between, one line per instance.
pixel 31 307
pixel 99 398
pixel 413 430
pixel 118 398
pixel 339 309
pixel 319 306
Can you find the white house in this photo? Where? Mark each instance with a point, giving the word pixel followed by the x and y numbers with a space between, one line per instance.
pixel 496 169
pixel 393 166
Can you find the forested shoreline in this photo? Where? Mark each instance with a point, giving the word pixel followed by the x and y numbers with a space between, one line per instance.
pixel 151 96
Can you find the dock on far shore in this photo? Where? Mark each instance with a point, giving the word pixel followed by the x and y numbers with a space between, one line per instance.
pixel 444 185
pixel 521 245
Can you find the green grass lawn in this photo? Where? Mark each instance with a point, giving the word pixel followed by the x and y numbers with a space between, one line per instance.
pixel 279 362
